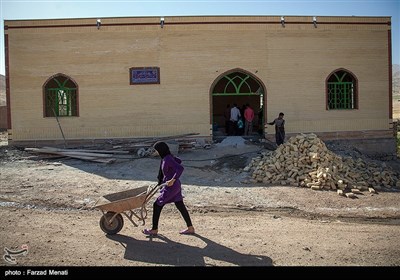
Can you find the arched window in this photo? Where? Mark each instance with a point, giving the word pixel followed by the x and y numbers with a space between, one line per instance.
pixel 237 83
pixel 60 97
pixel 341 90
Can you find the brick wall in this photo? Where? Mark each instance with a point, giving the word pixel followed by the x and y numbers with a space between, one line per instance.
pixel 292 62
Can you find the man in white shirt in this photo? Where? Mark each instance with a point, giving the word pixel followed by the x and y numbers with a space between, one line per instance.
pixel 235 115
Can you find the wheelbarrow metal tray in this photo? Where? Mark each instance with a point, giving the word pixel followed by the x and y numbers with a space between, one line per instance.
pixel 123 201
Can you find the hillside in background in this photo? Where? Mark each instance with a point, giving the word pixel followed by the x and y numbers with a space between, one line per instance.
pixel 396 80
pixel 396 91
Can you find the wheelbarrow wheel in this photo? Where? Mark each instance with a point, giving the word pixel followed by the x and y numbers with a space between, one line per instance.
pixel 115 226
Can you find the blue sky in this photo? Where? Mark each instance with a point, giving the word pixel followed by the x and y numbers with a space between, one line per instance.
pixel 34 9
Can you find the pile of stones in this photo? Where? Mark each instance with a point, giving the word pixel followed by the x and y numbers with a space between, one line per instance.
pixel 305 161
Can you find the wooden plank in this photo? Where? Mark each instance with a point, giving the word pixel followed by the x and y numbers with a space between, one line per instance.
pixel 89 151
pixel 90 157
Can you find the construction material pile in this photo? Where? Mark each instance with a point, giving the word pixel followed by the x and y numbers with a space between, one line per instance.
pixel 305 161
pixel 123 150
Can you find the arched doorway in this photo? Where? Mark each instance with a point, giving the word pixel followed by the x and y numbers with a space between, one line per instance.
pixel 240 87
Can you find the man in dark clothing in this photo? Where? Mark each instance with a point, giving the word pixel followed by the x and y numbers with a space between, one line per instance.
pixel 279 123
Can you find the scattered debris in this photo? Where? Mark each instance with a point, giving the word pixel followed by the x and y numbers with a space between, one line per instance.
pixel 350 195
pixel 103 157
pixel 371 190
pixel 123 149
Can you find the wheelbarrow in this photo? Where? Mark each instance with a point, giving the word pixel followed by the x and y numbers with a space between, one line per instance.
pixel 130 203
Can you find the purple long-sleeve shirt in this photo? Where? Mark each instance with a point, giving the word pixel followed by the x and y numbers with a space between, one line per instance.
pixel 172 169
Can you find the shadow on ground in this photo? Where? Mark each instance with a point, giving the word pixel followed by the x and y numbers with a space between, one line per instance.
pixel 160 250
pixel 212 167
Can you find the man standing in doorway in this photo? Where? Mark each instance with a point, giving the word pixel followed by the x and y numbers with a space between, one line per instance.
pixel 235 115
pixel 249 117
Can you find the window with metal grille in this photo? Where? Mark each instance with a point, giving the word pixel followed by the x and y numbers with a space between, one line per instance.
pixel 60 97
pixel 237 83
pixel 341 90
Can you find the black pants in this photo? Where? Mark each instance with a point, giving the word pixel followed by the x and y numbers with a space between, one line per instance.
pixel 280 137
pixel 181 207
pixel 233 129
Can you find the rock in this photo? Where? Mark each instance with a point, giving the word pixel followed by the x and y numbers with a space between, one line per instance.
pixel 351 195
pixel 356 191
pixel 371 190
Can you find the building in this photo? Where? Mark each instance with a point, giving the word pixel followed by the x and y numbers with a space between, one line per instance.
pixel 156 76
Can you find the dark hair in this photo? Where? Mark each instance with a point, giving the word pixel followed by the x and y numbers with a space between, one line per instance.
pixel 281 114
pixel 162 149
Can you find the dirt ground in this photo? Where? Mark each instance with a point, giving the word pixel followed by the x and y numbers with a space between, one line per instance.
pixel 46 204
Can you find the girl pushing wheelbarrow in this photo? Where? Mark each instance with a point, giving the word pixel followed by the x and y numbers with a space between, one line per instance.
pixel 169 172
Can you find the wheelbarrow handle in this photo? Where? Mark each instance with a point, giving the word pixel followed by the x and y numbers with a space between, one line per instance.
pixel 152 190
pixel 161 186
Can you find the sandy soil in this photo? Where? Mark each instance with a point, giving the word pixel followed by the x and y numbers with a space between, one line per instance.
pixel 47 205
